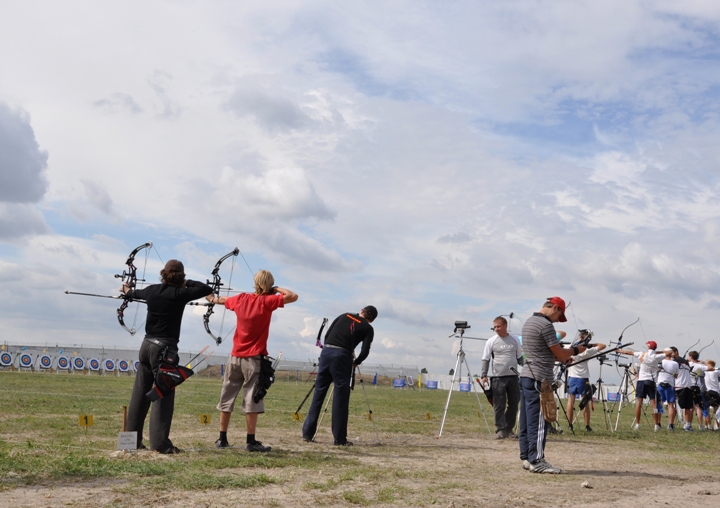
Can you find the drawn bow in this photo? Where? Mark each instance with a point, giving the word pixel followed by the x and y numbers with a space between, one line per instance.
pixel 129 279
pixel 216 284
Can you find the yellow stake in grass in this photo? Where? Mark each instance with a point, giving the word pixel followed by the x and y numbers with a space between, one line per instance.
pixel 204 419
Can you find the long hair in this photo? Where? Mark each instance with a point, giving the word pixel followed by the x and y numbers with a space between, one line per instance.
pixel 264 282
pixel 172 278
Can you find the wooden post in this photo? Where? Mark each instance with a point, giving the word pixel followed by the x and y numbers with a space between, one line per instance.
pixel 124 419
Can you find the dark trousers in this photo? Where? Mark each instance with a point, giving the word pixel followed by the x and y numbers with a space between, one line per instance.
pixel 162 410
pixel 533 427
pixel 506 397
pixel 335 366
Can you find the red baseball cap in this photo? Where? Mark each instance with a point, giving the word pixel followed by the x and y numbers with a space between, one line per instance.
pixel 651 344
pixel 556 300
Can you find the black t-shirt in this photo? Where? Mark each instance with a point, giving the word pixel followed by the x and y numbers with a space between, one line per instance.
pixel 166 304
pixel 349 330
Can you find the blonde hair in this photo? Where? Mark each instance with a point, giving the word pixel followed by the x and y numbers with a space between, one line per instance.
pixel 264 282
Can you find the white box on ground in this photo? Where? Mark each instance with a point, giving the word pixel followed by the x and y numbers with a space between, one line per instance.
pixel 127 441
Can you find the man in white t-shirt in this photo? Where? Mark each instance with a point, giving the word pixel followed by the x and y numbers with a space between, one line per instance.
pixel 683 389
pixel 666 385
pixel 697 371
pixel 646 386
pixel 712 383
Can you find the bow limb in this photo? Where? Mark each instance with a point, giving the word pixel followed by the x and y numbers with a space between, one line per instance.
pixel 216 284
pixel 319 335
pixel 129 279
pixel 688 349
pixel 703 349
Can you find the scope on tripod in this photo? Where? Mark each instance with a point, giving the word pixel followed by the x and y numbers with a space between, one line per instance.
pixel 624 365
pixel 461 325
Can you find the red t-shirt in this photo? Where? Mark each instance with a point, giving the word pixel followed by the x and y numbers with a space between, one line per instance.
pixel 253 322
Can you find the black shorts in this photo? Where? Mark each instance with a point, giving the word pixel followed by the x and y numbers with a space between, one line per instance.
pixel 713 398
pixel 645 389
pixel 697 396
pixel 684 398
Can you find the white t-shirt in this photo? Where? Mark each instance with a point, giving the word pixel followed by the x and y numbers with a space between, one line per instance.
pixel 648 365
pixel 697 371
pixel 711 380
pixel 683 379
pixel 669 372
pixel 581 370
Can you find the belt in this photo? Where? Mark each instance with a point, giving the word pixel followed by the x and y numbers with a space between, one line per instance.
pixel 337 347
pixel 157 342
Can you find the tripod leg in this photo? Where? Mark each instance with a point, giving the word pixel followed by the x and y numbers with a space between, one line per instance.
pixel 452 385
pixel 296 415
pixel 564 412
pixel 322 415
pixel 477 394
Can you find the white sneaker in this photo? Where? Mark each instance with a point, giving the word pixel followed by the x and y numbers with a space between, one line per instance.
pixel 544 467
pixel 636 426
pixel 526 464
pixel 657 428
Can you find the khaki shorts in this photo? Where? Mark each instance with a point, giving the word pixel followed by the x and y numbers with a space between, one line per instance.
pixel 241 373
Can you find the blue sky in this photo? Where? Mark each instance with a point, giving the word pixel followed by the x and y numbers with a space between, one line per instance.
pixel 442 162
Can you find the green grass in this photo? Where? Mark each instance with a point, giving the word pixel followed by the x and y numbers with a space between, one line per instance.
pixel 41 440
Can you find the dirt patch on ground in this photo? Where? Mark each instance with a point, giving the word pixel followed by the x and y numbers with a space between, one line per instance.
pixel 456 470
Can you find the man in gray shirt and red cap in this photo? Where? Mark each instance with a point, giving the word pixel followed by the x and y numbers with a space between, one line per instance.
pixel 541 348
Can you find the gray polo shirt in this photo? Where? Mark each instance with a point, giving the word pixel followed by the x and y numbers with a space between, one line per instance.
pixel 538 334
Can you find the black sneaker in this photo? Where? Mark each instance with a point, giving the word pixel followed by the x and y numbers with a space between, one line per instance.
pixel 257 446
pixel 346 443
pixel 221 444
pixel 588 428
pixel 570 426
pixel 171 451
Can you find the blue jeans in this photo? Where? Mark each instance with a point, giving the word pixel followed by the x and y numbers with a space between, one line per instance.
pixel 533 427
pixel 335 367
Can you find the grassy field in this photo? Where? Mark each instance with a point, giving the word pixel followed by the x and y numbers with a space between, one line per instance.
pixel 42 443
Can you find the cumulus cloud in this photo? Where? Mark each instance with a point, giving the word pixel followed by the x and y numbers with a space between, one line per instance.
pixel 98 197
pixel 22 163
pixel 273 112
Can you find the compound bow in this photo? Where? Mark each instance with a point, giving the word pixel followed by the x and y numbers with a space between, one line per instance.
pixel 216 284
pixel 129 279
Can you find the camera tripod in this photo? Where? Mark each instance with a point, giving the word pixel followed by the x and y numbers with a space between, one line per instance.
pixel 457 374
pixel 602 396
pixel 623 389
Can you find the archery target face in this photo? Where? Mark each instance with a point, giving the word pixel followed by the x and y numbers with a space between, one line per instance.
pixel 94 364
pixel 45 362
pixel 123 365
pixel 26 360
pixel 63 363
pixel 6 359
pixel 136 364
pixel 78 363
pixel 109 365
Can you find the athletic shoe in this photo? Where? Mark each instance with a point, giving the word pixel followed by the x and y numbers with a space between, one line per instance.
pixel 257 446
pixel 544 467
pixel 499 435
pixel 171 451
pixel 511 435
pixel 588 428
pixel 570 426
pixel 636 426
pixel 657 427
pixel 346 443
pixel 526 464
pixel 688 428
pixel 671 427
pixel 701 427
pixel 221 444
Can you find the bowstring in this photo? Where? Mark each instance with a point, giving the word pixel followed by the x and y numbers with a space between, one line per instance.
pixel 232 269
pixel 147 256
pixel 227 294
pixel 137 305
